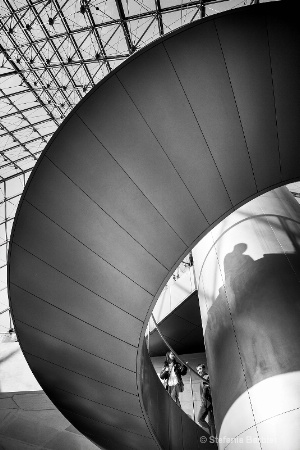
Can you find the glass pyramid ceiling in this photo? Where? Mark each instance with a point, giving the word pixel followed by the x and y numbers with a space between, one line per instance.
pixel 52 52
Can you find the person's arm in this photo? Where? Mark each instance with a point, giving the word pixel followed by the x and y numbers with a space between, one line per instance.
pixel 164 373
pixel 182 369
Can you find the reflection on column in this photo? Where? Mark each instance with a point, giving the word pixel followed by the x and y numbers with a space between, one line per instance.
pixel 249 291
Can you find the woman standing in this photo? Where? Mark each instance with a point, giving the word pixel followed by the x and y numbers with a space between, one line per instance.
pixel 172 372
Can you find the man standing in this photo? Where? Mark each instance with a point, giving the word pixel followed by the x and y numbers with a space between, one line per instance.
pixel 206 408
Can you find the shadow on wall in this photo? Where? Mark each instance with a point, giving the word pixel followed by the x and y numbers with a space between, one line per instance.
pixel 253 328
pixel 237 261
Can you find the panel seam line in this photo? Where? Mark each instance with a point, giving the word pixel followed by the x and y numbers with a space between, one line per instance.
pixel 201 131
pixel 66 312
pixel 102 209
pixel 75 281
pixel 236 106
pixel 122 168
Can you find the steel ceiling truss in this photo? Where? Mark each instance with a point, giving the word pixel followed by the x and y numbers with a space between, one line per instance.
pixel 52 53
pixel 10 192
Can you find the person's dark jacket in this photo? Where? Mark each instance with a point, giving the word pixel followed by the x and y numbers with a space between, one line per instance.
pixel 179 369
pixel 205 392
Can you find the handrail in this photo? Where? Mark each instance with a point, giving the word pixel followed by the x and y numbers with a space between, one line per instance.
pixel 173 351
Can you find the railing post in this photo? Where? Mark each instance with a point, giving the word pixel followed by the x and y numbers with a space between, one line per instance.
pixel 148 337
pixel 192 392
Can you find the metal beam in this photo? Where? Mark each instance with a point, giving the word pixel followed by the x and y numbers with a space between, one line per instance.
pixel 123 20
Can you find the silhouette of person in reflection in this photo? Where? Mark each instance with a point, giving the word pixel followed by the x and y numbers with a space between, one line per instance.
pixel 172 372
pixel 235 261
pixel 206 408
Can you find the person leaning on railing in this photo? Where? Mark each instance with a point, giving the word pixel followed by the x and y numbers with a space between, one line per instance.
pixel 172 373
